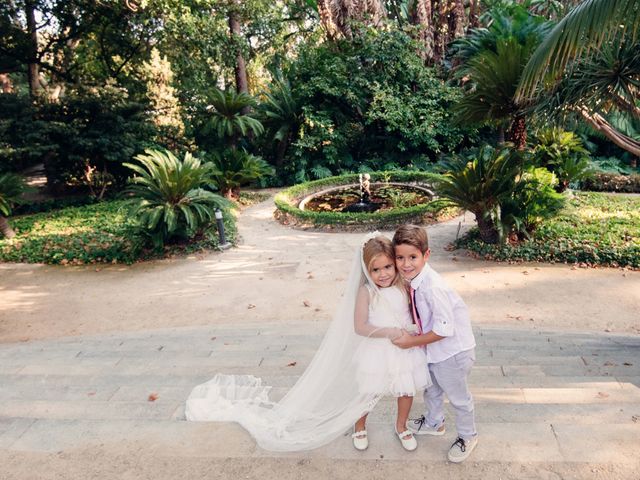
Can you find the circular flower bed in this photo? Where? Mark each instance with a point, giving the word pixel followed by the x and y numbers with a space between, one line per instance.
pixel 289 213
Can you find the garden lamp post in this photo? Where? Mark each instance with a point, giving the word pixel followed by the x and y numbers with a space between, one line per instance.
pixel 223 241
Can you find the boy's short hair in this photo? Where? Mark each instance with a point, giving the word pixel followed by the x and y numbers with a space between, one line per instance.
pixel 412 235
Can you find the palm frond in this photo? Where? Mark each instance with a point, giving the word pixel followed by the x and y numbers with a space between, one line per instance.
pixel 585 27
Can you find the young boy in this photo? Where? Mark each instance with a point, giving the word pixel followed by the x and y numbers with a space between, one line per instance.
pixel 446 332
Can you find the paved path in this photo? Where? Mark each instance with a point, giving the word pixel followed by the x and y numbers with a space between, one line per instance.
pixel 551 403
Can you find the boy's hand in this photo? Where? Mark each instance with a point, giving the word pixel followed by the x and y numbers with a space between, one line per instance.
pixel 403 341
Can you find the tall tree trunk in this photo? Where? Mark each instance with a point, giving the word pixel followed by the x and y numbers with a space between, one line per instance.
pixel 488 231
pixel 326 19
pixel 474 18
pixel 242 84
pixel 518 132
pixel 457 19
pixel 421 15
pixel 5 228
pixel 33 73
pixel 441 30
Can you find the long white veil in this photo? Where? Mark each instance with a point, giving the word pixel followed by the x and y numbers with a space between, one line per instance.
pixel 323 404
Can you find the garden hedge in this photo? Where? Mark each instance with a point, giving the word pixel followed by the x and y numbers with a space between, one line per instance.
pixel 288 212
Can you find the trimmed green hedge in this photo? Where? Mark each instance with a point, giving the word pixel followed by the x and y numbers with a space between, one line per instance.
pixel 288 212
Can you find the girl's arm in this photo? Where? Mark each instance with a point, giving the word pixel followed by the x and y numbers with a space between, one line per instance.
pixel 361 319
pixel 408 341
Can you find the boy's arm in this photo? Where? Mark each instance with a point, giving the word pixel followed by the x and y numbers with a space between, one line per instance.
pixel 409 341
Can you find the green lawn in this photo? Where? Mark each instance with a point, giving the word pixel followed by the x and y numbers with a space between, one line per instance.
pixel 594 228
pixel 97 233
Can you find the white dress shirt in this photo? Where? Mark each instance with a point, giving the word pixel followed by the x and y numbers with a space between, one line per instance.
pixel 442 311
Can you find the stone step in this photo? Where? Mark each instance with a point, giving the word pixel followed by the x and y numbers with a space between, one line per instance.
pixel 499 442
pixel 492 378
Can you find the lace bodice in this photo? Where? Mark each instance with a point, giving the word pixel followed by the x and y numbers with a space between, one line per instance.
pixel 390 309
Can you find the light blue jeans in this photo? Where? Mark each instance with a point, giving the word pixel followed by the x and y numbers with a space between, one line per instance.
pixel 449 378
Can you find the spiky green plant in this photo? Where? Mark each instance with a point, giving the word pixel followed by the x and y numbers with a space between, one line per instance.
pixel 534 200
pixel 585 27
pixel 494 78
pixel 230 116
pixel 282 115
pixel 12 186
pixel 481 183
pixel 562 153
pixel 168 196
pixel 234 168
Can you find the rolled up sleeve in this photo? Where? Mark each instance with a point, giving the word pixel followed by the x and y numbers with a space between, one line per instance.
pixel 442 313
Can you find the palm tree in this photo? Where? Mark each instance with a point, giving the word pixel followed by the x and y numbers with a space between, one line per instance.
pixel 493 78
pixel 338 16
pixel 589 31
pixel 282 116
pixel 230 118
pixel 12 186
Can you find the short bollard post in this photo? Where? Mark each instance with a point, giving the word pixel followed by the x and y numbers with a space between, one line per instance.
pixel 223 241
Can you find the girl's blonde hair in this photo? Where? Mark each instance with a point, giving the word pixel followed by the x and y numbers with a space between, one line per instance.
pixel 377 246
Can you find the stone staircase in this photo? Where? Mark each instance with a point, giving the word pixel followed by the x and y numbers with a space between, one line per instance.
pixel 567 401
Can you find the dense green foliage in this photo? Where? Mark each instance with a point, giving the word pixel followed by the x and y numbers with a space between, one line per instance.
pixel 234 168
pixel 366 104
pixel 503 189
pixel 168 198
pixel 98 233
pixel 593 229
pixel 563 154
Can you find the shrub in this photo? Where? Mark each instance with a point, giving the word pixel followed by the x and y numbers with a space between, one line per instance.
pixel 235 168
pixel 169 200
pixel 96 130
pixel 562 153
pixel 611 182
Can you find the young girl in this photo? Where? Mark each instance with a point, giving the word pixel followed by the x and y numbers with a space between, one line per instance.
pixel 352 369
pixel 381 313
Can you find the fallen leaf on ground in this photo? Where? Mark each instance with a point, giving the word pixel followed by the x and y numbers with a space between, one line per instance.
pixel 635 418
pixel 306 303
pixel 213 338
pixel 524 272
pixel 627 364
pixel 310 277
pixel 250 306
pixel 153 397
pixel 609 363
pixel 292 364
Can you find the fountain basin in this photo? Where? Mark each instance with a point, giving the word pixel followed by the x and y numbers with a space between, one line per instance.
pixel 383 196
pixel 292 204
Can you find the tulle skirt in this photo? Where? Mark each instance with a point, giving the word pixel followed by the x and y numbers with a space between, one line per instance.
pixel 383 368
